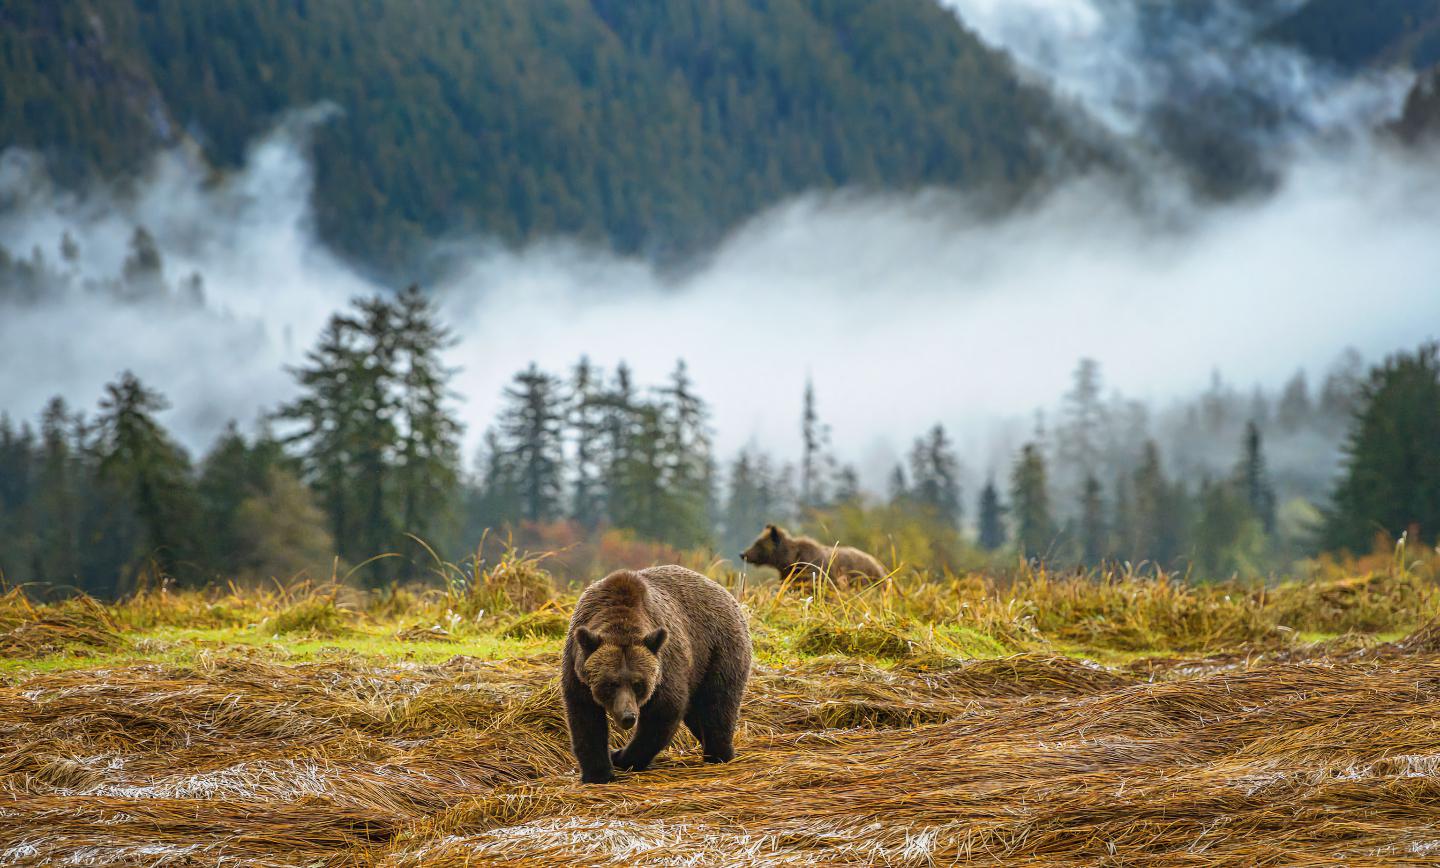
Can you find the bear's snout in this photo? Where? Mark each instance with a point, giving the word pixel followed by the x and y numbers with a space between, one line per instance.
pixel 626 720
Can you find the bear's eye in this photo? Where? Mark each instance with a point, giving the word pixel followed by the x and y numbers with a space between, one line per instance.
pixel 639 687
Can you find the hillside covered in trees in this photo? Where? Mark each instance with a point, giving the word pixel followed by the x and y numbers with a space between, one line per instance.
pixel 1355 35
pixel 651 127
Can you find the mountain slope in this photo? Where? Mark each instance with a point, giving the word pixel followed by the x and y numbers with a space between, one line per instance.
pixel 653 127
pixel 1356 34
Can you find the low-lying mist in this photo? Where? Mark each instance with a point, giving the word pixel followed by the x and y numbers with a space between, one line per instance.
pixel 905 310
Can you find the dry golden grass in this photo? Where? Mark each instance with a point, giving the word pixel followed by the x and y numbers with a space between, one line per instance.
pixel 1216 736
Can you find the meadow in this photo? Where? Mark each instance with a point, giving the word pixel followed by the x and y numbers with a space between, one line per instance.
pixel 1020 718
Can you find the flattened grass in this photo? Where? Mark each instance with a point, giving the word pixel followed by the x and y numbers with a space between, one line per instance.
pixel 955 720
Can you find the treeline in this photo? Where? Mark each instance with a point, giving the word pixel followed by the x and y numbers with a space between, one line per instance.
pixel 42 277
pixel 654 127
pixel 366 462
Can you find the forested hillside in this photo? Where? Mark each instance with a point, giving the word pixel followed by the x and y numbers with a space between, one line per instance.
pixel 1354 34
pixel 654 127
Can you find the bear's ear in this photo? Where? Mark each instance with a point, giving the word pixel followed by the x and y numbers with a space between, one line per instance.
pixel 655 639
pixel 775 532
pixel 588 639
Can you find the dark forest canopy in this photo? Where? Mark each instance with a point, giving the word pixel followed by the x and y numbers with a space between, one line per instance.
pixel 1353 35
pixel 652 127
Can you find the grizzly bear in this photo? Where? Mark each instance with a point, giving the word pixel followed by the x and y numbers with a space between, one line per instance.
pixel 844 565
pixel 651 648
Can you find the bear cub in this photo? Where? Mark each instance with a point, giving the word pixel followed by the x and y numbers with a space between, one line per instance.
pixel 846 565
pixel 649 649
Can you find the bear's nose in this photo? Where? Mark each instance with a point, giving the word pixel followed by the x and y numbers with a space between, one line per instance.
pixel 626 720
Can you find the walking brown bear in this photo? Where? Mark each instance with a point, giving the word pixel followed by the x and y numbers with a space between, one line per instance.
pixel 804 556
pixel 651 648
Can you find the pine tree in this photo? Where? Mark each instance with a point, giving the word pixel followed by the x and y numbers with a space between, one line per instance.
pixel 144 270
pixel 16 487
pixel 1030 504
pixel 586 422
pixel 1294 409
pixel 1081 437
pixel 328 415
pixel 639 493
pixel 427 479
pixel 814 459
pixel 373 378
pixel 139 457
pixel 229 474
pixel 1391 481
pixel 1093 535
pixel 935 477
pixel 689 480
pixel 530 434
pixel 1157 512
pixel 60 483
pixel 847 486
pixel 1254 480
pixel 992 518
pixel 618 420
pixel 745 502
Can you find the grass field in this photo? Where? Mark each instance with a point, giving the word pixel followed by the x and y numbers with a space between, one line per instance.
pixel 1034 720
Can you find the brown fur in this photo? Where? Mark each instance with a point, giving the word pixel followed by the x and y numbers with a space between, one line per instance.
pixel 651 649
pixel 807 558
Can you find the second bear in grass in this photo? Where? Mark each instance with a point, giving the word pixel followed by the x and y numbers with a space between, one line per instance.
pixel 649 649
pixel 805 557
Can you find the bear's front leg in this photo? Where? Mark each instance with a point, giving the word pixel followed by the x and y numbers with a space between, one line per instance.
pixel 658 721
pixel 589 733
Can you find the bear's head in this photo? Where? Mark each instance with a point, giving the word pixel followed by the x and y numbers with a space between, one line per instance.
pixel 622 676
pixel 770 549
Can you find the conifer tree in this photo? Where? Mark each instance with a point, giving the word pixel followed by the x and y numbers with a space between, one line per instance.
pixel 814 457
pixel 992 518
pixel 1093 535
pixel 530 437
pixel 138 456
pixel 586 422
pixel 1254 479
pixel 1391 481
pixel 935 477
pixel 1030 504
pixel 427 478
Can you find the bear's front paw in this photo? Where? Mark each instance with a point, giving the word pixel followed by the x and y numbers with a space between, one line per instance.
pixel 617 759
pixel 597 777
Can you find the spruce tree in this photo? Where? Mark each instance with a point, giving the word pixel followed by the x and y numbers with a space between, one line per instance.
pixel 1093 535
pixel 1254 479
pixel 689 480
pixel 1030 504
pixel 60 489
pixel 427 478
pixel 1158 512
pixel 530 436
pixel 153 473
pixel 327 429
pixel 1391 481
pixel 1082 434
pixel 992 518
pixel 814 458
pixel 935 477
pixel 586 423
